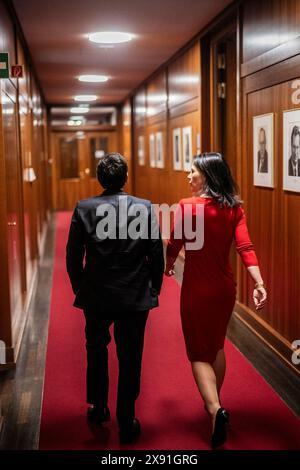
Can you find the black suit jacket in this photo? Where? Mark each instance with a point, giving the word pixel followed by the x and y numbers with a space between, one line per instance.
pixel 291 172
pixel 119 274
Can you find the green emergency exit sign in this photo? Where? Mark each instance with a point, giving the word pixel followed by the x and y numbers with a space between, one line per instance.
pixel 4 70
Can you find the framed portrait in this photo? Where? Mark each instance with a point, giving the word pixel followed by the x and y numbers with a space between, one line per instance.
pixel 291 150
pixel 177 154
pixel 159 150
pixel 152 150
pixel 187 150
pixel 263 150
pixel 141 150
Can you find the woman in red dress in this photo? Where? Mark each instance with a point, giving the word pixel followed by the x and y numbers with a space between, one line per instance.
pixel 208 288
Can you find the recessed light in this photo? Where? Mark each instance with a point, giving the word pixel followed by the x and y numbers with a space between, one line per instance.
pixel 74 123
pixel 79 110
pixel 85 97
pixel 93 78
pixel 110 37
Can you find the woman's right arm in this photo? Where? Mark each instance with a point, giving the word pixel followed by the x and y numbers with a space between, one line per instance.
pixel 259 293
pixel 244 247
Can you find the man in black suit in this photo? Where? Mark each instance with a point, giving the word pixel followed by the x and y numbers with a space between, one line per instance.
pixel 294 160
pixel 262 155
pixel 120 282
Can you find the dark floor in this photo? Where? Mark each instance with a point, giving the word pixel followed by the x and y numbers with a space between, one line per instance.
pixel 21 389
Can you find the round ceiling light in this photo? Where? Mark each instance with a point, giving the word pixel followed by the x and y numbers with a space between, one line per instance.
pixel 110 37
pixel 85 97
pixel 93 78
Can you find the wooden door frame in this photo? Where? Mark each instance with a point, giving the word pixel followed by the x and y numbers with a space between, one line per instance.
pixel 84 162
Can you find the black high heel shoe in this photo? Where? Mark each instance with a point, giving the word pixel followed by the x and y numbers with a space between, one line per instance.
pixel 219 436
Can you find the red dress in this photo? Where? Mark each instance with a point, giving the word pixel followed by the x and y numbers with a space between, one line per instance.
pixel 208 288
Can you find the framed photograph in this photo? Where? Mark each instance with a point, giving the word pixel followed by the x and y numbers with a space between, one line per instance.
pixel 263 150
pixel 177 154
pixel 152 150
pixel 187 150
pixel 141 150
pixel 291 150
pixel 159 150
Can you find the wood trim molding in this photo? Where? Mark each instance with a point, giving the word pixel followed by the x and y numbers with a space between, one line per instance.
pixel 184 108
pixel 272 57
pixel 267 334
pixel 85 128
pixel 278 73
pixel 157 118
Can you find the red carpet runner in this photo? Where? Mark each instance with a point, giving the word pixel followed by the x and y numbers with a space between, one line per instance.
pixel 169 407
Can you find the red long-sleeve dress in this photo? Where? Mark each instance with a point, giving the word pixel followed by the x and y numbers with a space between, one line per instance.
pixel 208 289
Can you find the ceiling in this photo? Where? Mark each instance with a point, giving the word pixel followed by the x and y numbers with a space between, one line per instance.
pixel 56 32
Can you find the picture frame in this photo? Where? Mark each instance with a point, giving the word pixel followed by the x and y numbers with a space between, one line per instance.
pixel 187 150
pixel 177 149
pixel 152 150
pixel 263 150
pixel 291 150
pixel 141 150
pixel 159 150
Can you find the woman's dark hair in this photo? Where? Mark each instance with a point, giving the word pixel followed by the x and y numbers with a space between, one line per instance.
pixel 219 182
pixel 112 171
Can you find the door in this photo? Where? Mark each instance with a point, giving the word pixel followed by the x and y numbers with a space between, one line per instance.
pixel 96 146
pixel 15 234
pixel 76 156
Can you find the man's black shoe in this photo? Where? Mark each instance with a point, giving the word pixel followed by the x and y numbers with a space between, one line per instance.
pixel 98 414
pixel 130 434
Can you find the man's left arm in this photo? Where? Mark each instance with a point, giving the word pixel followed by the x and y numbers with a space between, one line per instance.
pixel 155 253
pixel 75 250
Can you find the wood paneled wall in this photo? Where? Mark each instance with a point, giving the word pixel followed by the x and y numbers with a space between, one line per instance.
pixel 170 100
pixel 267 25
pixel 24 205
pixel 270 34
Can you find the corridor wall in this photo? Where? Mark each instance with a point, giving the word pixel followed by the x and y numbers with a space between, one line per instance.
pixel 163 108
pixel 24 201
pixel 270 64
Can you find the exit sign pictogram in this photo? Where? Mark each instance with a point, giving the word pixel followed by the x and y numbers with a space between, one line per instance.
pixel 17 71
pixel 4 70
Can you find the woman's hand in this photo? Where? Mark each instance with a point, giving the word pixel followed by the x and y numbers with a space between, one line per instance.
pixel 259 297
pixel 169 271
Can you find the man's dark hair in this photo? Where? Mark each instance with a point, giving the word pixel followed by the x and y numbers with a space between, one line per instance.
pixel 112 171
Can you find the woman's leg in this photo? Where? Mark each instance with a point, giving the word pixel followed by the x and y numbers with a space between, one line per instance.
pixel 206 380
pixel 219 367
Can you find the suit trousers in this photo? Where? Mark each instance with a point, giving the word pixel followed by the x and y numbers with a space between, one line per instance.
pixel 129 329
